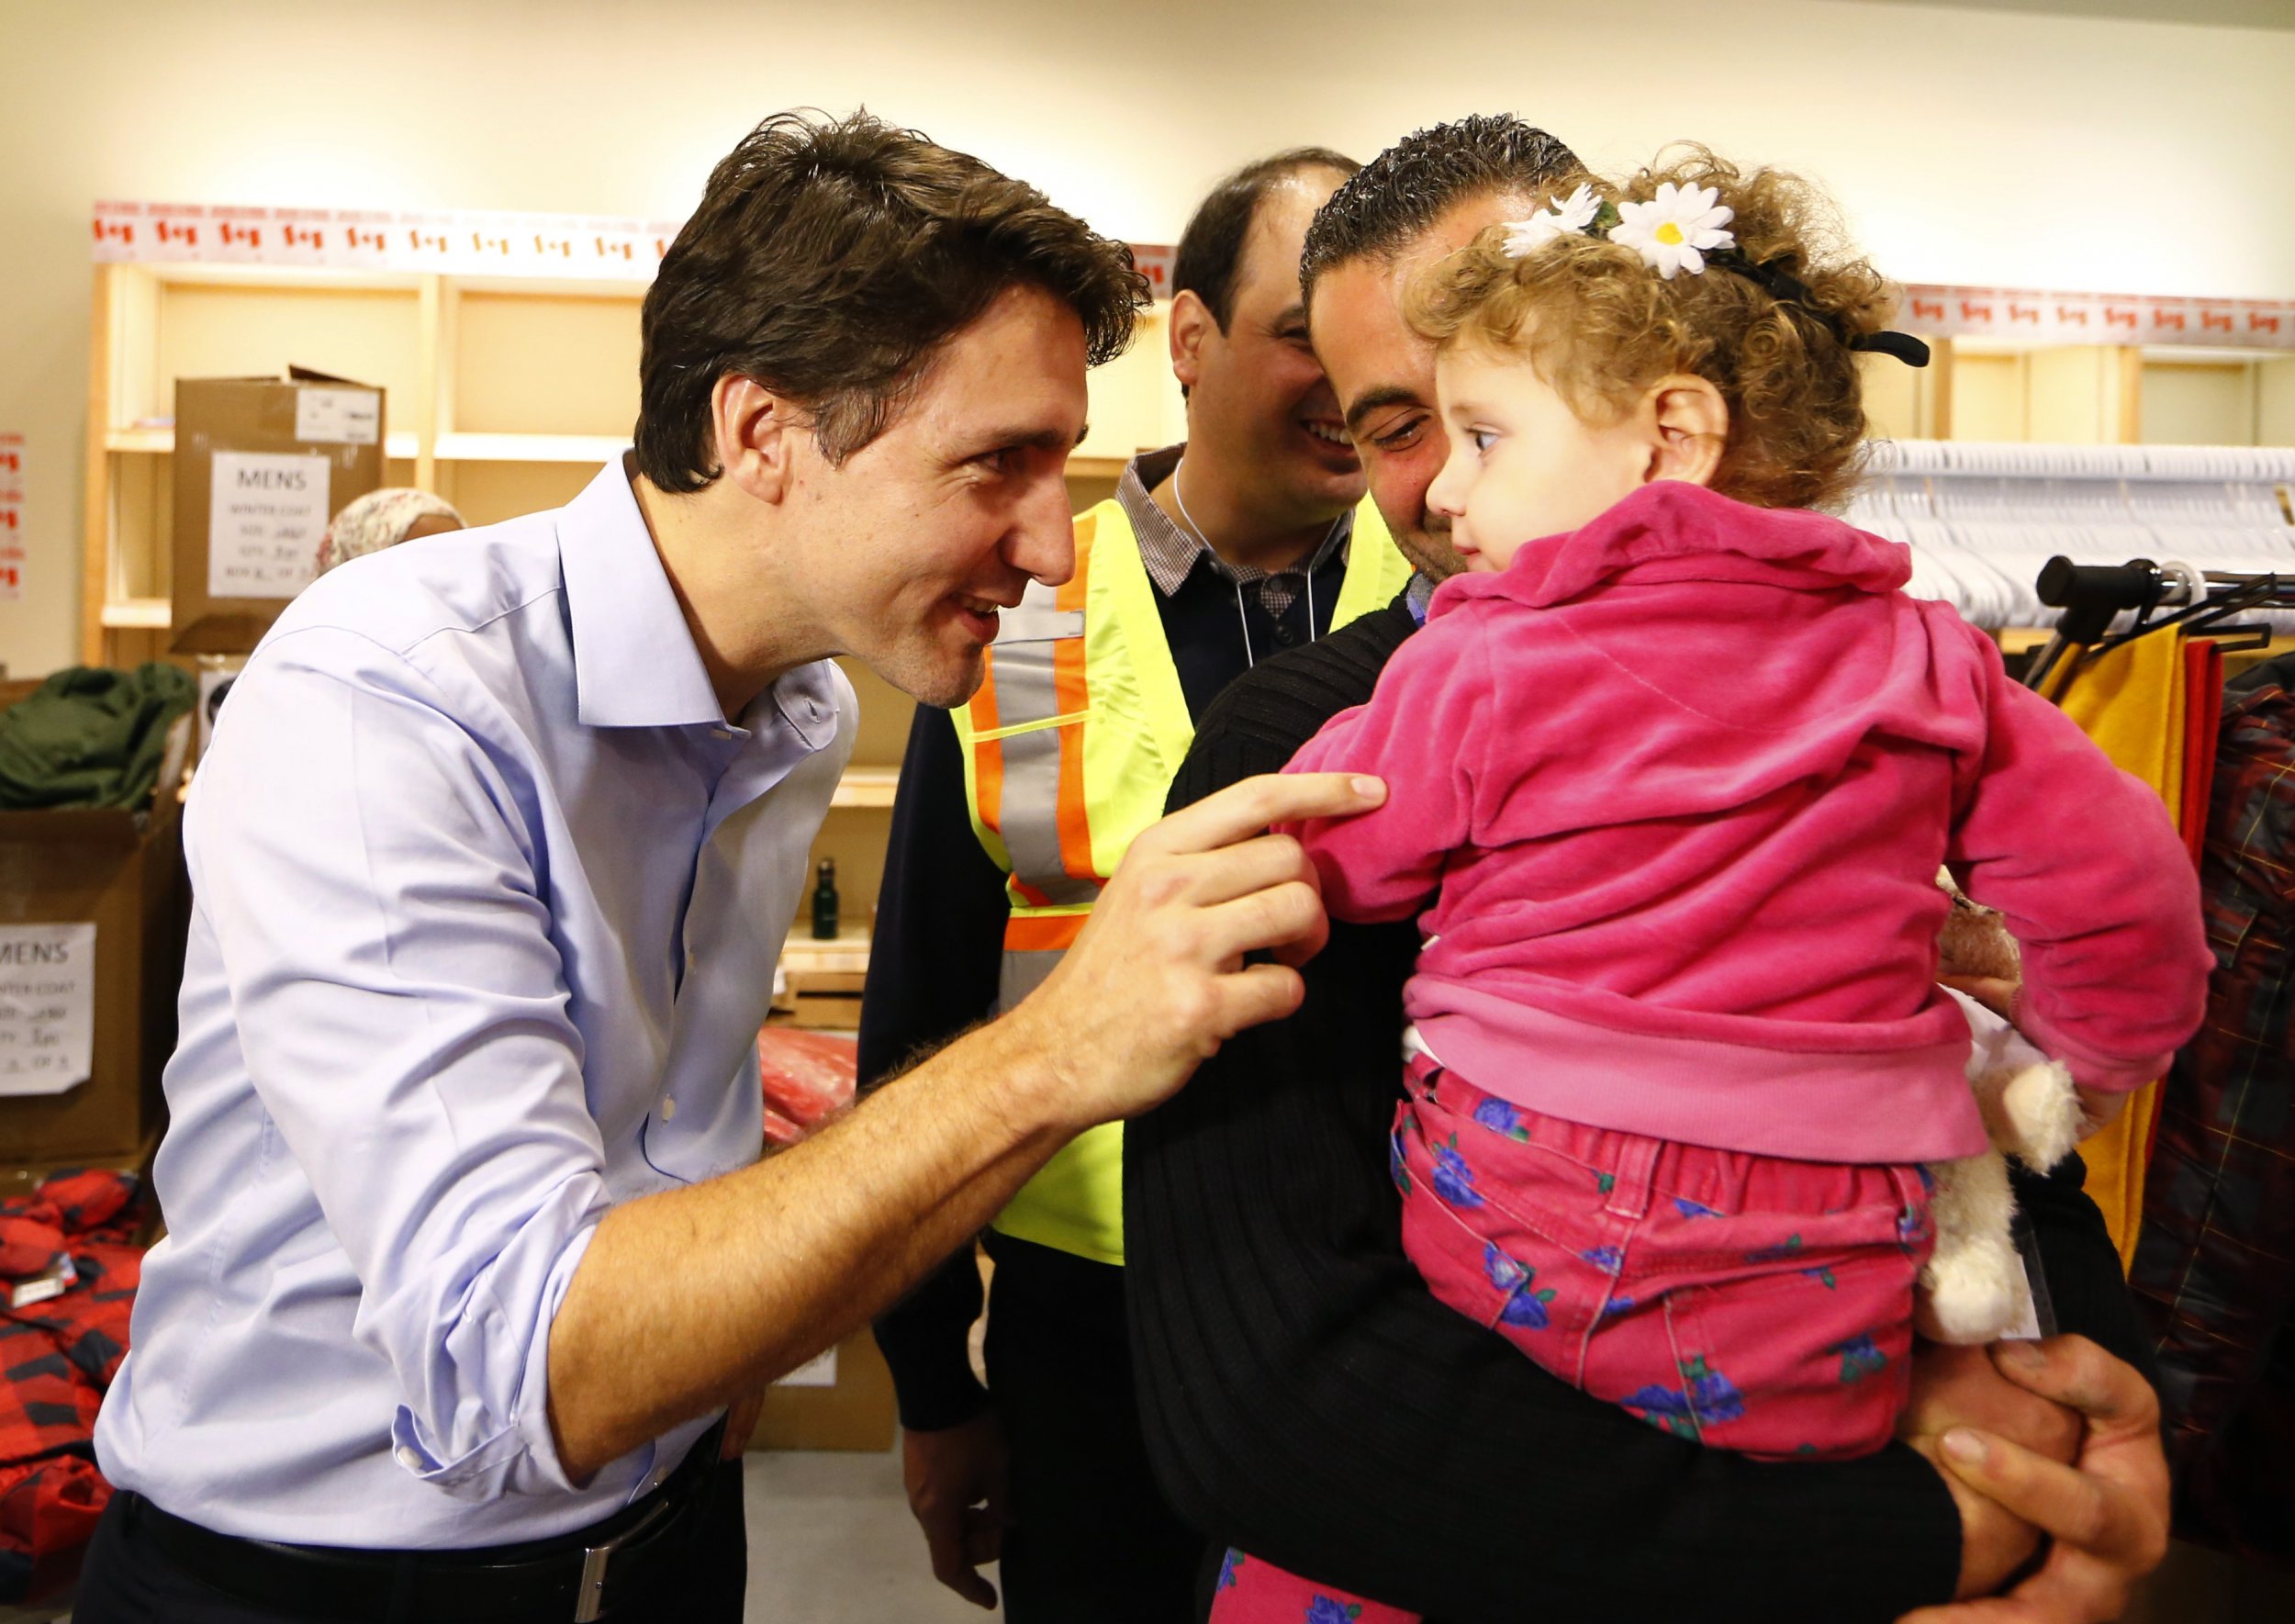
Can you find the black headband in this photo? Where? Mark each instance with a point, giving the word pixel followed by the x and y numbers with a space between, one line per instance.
pixel 1789 289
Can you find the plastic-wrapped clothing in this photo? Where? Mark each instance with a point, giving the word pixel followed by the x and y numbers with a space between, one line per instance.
pixel 808 1079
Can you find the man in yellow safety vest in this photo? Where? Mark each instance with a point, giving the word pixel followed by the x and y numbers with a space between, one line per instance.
pixel 1013 811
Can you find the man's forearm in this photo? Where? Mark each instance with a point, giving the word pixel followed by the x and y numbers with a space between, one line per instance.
pixel 690 1297
pixel 687 1298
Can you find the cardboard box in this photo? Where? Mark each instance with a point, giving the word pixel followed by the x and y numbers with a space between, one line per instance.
pixel 120 877
pixel 820 981
pixel 261 464
pixel 822 1000
pixel 841 1401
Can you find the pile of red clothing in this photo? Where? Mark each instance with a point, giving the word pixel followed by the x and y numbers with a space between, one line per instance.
pixel 59 1351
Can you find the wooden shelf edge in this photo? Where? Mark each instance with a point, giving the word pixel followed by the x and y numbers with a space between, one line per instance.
pixel 402 446
pixel 531 448
pixel 802 955
pixel 139 614
pixel 867 786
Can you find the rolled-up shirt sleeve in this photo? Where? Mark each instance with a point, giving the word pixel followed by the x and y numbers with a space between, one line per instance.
pixel 376 891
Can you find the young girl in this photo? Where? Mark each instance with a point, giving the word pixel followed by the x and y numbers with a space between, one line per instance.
pixel 1676 762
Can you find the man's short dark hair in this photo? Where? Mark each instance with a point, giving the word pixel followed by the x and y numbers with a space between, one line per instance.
pixel 830 260
pixel 1210 255
pixel 1392 200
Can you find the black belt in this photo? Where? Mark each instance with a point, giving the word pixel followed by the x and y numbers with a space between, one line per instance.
pixel 580 1576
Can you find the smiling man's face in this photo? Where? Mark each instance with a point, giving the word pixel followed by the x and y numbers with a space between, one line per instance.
pixel 914 545
pixel 1257 389
pixel 1383 375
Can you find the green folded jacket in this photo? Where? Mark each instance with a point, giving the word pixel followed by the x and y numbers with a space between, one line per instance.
pixel 90 737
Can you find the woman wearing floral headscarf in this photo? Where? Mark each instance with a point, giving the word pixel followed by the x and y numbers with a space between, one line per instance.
pixel 383 518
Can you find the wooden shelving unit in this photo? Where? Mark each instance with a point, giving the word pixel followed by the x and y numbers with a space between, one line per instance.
pixel 2085 395
pixel 504 396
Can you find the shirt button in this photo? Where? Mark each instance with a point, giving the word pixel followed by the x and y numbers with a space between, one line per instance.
pixel 670 1110
pixel 408 1459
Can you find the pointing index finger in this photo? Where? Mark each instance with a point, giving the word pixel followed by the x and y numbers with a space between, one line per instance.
pixel 1242 810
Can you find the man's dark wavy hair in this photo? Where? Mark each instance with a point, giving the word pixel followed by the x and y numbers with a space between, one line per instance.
pixel 830 260
pixel 1387 203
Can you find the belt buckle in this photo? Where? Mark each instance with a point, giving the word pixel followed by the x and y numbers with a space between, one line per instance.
pixel 589 1597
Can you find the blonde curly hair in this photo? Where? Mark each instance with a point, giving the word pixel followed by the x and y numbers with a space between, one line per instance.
pixel 1601 326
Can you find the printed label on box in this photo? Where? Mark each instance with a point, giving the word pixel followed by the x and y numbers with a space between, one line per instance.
pixel 817 1371
pixel 338 416
pixel 266 515
pixel 47 1006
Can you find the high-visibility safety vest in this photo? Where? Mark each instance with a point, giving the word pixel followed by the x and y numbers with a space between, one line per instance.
pixel 1070 747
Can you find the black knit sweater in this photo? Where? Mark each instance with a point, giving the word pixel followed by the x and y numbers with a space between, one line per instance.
pixel 1305 1399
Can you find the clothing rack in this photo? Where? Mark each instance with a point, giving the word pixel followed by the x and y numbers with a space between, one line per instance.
pixel 2090 598
pixel 1986 521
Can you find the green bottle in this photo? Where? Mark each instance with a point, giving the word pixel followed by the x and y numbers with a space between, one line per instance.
pixel 824 903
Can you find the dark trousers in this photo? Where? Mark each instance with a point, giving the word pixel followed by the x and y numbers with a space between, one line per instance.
pixel 1093 1540
pixel 127 1579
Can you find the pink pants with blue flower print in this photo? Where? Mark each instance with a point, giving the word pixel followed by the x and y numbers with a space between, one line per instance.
pixel 1747 1302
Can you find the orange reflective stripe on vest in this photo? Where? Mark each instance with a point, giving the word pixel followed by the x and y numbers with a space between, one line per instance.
pixel 1027 739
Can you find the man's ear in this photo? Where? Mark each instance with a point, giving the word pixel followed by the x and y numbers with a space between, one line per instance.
pixel 1688 425
pixel 1191 327
pixel 758 434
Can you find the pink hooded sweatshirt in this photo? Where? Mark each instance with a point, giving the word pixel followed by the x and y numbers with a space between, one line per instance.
pixel 1679 783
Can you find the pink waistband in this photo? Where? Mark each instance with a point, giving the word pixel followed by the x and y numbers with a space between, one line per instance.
pixel 1898 1105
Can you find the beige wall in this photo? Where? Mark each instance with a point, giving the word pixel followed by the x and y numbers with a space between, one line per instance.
pixel 1969 145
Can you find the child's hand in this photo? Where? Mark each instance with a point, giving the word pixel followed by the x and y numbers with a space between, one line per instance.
pixel 1991 991
pixel 2100 1109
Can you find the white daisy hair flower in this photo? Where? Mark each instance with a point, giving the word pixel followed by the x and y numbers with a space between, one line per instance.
pixel 1676 230
pixel 1572 214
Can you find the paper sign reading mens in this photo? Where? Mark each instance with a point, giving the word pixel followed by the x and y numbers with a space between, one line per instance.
pixel 266 514
pixel 338 416
pixel 47 1006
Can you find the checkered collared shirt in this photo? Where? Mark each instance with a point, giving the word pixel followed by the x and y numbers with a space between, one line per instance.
pixel 1171 553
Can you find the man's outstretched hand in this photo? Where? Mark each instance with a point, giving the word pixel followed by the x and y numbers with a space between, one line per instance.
pixel 1159 977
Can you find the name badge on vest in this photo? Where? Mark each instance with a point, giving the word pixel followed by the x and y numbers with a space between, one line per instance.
pixel 1038 619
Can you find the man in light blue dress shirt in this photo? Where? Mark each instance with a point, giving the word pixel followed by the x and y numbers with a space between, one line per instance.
pixel 469 1244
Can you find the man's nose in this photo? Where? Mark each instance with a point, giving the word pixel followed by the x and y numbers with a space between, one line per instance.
pixel 1043 538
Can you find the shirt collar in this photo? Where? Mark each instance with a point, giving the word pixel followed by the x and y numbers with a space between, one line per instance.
pixel 1418 595
pixel 635 662
pixel 1171 553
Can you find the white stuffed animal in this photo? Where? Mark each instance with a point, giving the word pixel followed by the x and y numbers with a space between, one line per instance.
pixel 1974 1288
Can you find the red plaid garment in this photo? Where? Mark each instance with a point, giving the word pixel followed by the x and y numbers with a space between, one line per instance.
pixel 2213 1276
pixel 57 1359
